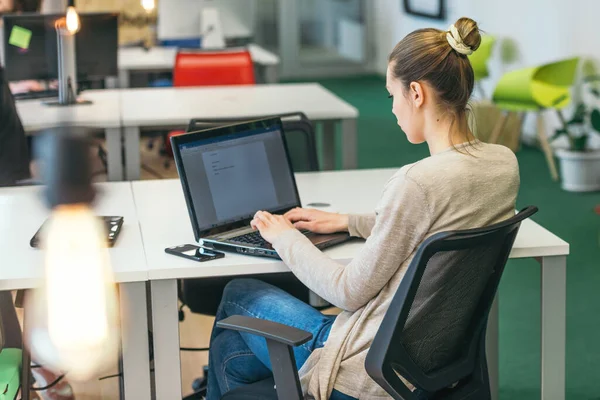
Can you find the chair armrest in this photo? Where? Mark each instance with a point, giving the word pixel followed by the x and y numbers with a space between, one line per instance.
pixel 284 334
pixel 280 339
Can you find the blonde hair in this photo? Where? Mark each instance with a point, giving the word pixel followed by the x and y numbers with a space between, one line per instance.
pixel 427 55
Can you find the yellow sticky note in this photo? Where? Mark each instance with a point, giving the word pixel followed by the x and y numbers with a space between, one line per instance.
pixel 20 37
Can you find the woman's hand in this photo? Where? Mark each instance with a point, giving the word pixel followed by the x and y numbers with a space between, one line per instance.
pixel 317 221
pixel 270 226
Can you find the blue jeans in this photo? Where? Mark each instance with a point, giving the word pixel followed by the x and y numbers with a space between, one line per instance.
pixel 237 359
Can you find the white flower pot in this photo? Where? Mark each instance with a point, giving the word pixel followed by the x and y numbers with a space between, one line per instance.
pixel 580 171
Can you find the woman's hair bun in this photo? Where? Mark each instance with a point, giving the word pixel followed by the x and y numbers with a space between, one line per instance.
pixel 469 32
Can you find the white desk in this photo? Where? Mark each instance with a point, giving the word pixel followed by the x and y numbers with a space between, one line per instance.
pixel 174 107
pixel 159 59
pixel 104 113
pixel 164 222
pixel 21 214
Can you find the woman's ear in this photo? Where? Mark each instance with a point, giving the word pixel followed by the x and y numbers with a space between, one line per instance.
pixel 416 94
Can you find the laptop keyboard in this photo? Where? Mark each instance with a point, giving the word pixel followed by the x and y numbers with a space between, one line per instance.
pixel 253 238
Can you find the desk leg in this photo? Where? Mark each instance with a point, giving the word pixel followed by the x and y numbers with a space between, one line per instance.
pixel 554 285
pixel 134 338
pixel 123 78
pixel 132 153
pixel 114 154
pixel 271 73
pixel 165 327
pixel 491 348
pixel 349 144
pixel 328 137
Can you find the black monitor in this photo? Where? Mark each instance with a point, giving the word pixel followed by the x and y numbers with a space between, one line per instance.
pixel 30 46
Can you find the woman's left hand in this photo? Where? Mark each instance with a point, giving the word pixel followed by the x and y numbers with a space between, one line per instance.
pixel 270 226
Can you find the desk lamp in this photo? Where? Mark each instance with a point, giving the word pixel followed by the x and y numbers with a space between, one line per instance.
pixel 66 28
pixel 73 314
pixel 149 6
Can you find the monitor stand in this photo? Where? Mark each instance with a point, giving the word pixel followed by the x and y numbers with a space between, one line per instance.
pixel 76 102
pixel 67 69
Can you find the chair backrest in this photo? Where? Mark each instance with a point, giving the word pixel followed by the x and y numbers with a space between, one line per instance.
pixel 433 332
pixel 211 68
pixel 543 86
pixel 480 57
pixel 297 128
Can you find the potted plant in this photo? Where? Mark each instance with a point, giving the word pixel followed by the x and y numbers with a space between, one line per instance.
pixel 579 164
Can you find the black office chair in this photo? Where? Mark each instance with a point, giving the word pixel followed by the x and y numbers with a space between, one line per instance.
pixel 299 135
pixel 203 296
pixel 433 333
pixel 298 130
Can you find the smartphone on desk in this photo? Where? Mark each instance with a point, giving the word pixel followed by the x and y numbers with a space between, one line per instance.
pixel 195 252
pixel 112 227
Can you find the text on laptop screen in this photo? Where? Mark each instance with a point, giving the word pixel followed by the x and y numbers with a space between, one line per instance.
pixel 232 176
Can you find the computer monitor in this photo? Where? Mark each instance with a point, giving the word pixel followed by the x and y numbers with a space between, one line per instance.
pixel 30 50
pixel 180 19
pixel 97 45
pixel 30 46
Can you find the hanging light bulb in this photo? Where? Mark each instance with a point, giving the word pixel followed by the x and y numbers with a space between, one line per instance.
pixel 72 20
pixel 149 5
pixel 74 314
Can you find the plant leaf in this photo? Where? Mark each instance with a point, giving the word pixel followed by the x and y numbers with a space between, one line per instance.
pixel 579 143
pixel 558 133
pixel 578 115
pixel 595 119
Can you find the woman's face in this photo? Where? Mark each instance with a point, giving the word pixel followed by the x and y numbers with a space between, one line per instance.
pixel 406 107
pixel 6 6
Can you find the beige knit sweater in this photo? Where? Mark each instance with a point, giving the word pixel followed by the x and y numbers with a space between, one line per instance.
pixel 460 188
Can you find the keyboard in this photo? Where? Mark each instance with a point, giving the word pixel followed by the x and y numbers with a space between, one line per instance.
pixel 40 94
pixel 253 238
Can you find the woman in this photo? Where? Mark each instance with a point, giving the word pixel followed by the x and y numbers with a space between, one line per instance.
pixel 463 184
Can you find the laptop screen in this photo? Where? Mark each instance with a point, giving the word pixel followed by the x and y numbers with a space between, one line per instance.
pixel 231 176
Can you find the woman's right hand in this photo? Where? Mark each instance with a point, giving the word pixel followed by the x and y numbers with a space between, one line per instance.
pixel 317 221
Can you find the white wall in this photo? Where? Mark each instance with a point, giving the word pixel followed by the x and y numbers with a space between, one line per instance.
pixel 544 30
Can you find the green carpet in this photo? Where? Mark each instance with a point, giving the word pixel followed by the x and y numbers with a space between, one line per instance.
pixel 570 216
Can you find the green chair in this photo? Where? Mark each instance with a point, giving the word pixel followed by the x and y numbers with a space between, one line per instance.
pixel 480 57
pixel 535 89
pixel 10 369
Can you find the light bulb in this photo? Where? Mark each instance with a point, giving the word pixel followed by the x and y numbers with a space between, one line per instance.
pixel 72 20
pixel 148 5
pixel 74 316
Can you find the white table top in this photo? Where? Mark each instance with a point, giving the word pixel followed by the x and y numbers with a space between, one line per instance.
pixel 21 214
pixel 163 58
pixel 176 106
pixel 104 112
pixel 164 222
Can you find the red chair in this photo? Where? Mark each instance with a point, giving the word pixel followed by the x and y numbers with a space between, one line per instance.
pixel 213 68
pixel 210 68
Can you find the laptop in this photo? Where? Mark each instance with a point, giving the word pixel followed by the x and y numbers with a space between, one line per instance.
pixel 228 173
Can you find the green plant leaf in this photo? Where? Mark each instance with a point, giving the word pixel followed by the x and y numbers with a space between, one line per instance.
pixel 578 143
pixel 578 115
pixel 558 133
pixel 595 119
pixel 595 92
